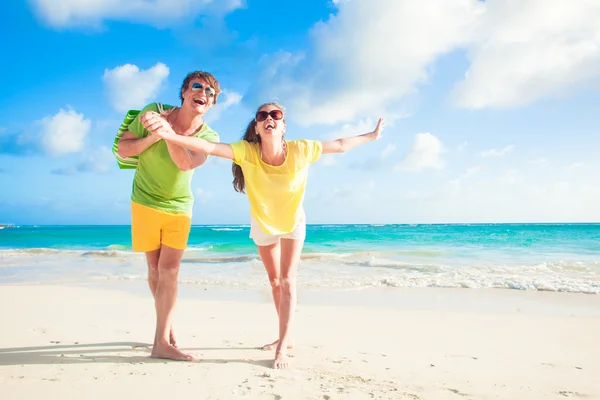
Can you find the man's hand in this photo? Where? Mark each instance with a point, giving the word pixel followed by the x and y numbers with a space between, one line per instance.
pixel 157 125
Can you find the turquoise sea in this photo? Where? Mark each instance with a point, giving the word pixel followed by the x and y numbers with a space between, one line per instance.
pixel 554 257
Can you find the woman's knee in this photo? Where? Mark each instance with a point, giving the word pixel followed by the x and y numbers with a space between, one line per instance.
pixel 287 284
pixel 275 282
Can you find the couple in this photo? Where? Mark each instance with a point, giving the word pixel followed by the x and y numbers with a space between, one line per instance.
pixel 171 142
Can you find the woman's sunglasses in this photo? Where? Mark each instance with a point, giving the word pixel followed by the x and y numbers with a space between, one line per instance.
pixel 275 114
pixel 198 87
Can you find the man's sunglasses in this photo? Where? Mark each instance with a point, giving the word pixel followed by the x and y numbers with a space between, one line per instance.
pixel 275 114
pixel 198 87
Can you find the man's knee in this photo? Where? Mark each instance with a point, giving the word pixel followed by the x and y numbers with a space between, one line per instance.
pixel 153 272
pixel 168 270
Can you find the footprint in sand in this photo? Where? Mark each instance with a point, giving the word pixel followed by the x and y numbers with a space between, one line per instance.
pixel 456 391
pixel 140 347
pixel 549 365
pixel 567 393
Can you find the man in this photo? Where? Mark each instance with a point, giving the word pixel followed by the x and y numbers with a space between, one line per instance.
pixel 162 199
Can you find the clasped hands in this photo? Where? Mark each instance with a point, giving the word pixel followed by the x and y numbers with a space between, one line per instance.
pixel 157 125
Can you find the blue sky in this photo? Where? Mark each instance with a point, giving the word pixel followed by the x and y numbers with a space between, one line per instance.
pixel 491 107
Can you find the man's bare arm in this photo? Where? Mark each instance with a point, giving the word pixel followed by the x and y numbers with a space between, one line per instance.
pixel 129 145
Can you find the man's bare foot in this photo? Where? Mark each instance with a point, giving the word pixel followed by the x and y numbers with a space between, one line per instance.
pixel 172 339
pixel 281 361
pixel 171 353
pixel 273 346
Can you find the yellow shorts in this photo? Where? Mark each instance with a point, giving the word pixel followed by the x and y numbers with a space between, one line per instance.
pixel 151 227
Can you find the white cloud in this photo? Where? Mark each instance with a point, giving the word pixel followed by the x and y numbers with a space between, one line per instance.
pixel 347 130
pixel 576 165
pixel 358 193
pixel 462 146
pixel 498 152
pixel 230 99
pixel 426 153
pixel 477 194
pixel 203 196
pixel 472 171
pixel 528 200
pixel 160 13
pixel 391 148
pixel 539 161
pixel 529 49
pixel 97 160
pixel 60 134
pixel 370 57
pixel 129 87
pixel 330 160
pixel 510 177
pixel 365 58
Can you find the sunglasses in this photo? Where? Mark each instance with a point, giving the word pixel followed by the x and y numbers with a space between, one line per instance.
pixel 198 87
pixel 275 114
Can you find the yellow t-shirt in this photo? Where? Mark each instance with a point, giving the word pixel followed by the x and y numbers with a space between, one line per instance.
pixel 276 193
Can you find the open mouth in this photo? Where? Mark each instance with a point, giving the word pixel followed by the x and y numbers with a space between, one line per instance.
pixel 201 102
pixel 270 125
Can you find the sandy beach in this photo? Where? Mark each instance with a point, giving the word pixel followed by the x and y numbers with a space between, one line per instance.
pixel 93 343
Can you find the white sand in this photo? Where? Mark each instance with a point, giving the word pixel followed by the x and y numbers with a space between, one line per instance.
pixel 82 343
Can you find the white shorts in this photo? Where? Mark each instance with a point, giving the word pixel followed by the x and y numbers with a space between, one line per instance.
pixel 261 238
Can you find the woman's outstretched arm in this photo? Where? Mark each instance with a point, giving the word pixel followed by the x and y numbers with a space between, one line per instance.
pixel 344 144
pixel 158 126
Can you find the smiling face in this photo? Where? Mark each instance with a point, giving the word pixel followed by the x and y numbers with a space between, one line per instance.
pixel 270 121
pixel 198 96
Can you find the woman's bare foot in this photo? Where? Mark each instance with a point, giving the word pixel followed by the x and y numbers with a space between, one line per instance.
pixel 281 361
pixel 273 346
pixel 171 353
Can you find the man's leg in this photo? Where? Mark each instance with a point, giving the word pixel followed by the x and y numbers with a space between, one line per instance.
pixel 290 257
pixel 164 299
pixel 152 259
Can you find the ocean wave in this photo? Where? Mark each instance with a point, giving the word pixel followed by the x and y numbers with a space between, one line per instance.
pixel 225 226
pixel 513 283
pixel 524 283
pixel 102 253
pixel 227 229
pixel 32 252
pixel 119 247
pixel 216 260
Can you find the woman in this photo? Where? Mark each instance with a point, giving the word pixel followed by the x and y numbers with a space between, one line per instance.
pixel 273 172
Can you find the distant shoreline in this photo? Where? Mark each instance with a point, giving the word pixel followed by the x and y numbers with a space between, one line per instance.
pixel 334 224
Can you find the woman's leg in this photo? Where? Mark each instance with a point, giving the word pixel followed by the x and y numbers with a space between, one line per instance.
pixel 290 257
pixel 270 256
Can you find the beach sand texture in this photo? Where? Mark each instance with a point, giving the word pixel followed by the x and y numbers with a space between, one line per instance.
pixel 93 343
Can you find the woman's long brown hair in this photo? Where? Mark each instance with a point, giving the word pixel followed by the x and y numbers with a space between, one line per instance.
pixel 250 136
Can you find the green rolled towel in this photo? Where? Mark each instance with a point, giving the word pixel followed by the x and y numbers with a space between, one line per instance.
pixel 130 162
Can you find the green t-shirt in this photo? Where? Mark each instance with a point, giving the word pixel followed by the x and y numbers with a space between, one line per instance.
pixel 158 182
